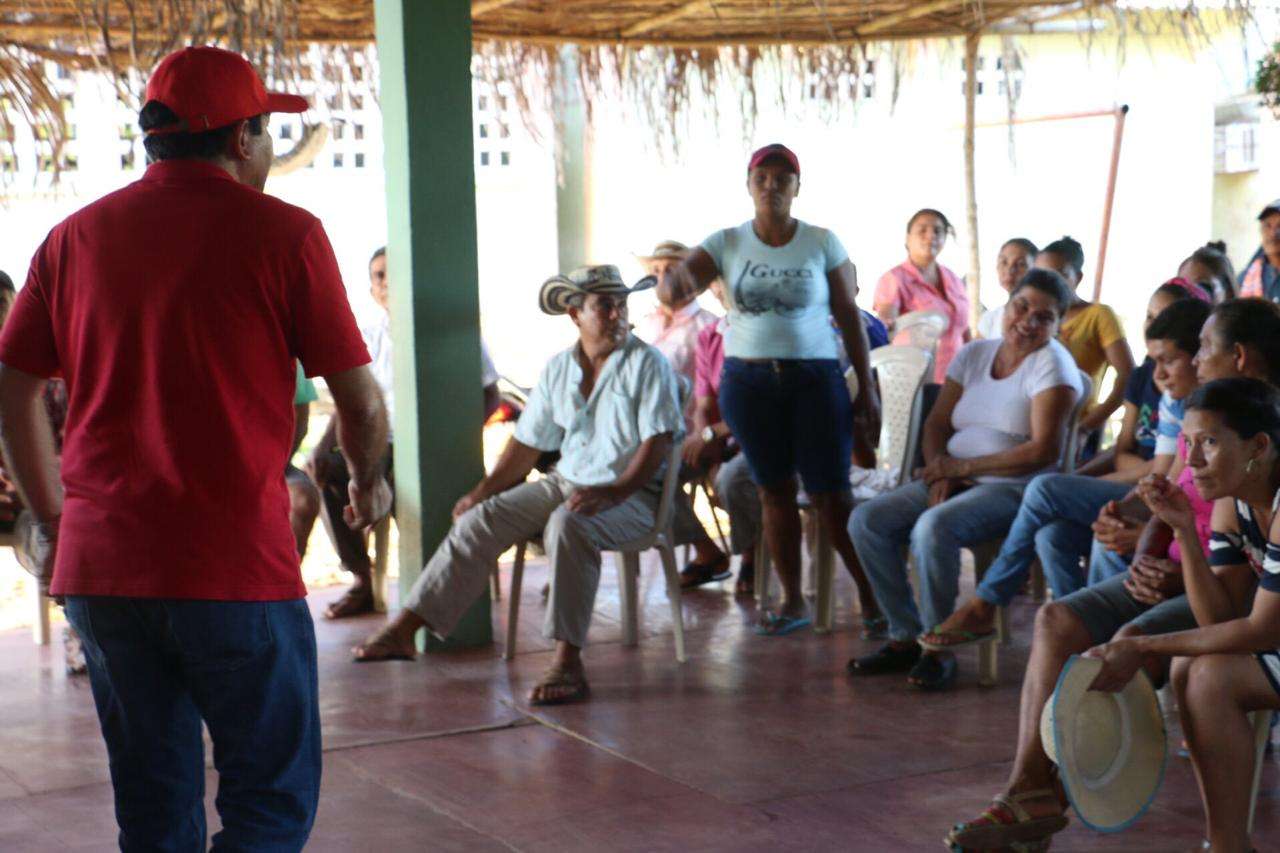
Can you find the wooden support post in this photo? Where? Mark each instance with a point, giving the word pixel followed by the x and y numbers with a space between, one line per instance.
pixel 971 42
pixel 1120 113
pixel 424 51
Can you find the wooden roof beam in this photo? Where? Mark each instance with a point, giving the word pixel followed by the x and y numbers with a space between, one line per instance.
pixel 915 10
pixel 657 21
pixel 484 7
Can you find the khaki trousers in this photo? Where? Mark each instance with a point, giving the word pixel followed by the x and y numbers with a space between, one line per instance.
pixel 458 571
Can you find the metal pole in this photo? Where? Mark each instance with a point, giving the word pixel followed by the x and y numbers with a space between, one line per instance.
pixel 1120 113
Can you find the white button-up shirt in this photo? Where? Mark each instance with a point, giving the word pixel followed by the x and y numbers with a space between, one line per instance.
pixel 634 398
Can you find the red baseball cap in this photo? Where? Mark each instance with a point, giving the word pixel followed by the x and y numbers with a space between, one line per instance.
pixel 778 150
pixel 208 88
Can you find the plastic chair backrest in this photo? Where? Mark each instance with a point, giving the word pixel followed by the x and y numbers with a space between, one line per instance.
pixel 671 477
pixel 1071 447
pixel 922 328
pixel 901 372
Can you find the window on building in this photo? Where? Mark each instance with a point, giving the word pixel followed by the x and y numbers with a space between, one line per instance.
pixel 70 162
pixel 286 131
pixel 504 131
pixel 506 158
pixel 332 102
pixel 357 102
pixel 359 160
pixel 503 103
pixel 357 72
pixel 484 158
pixel 484 131
pixel 127 159
pixel 358 130
pixel 339 129
pixel 482 103
pixel 337 161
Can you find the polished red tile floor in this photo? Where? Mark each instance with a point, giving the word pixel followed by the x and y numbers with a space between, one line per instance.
pixel 754 743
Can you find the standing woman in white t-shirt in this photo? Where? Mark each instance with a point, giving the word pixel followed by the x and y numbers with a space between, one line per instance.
pixel 1016 257
pixel 1000 419
pixel 782 393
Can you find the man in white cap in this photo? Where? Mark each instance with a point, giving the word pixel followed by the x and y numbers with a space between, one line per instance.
pixel 673 327
pixel 611 406
pixel 1262 276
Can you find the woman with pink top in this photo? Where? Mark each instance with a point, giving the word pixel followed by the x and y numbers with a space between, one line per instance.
pixel 920 283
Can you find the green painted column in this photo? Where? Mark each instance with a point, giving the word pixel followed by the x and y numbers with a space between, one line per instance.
pixel 424 56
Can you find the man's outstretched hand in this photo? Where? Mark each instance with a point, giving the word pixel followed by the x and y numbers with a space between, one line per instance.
pixel 368 506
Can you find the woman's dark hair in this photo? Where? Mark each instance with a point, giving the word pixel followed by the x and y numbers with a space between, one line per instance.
pixel 377 253
pixel 1180 323
pixel 1213 255
pixel 1247 406
pixel 929 211
pixel 1049 283
pixel 1022 243
pixel 6 283
pixel 1252 323
pixel 1069 250
pixel 184 146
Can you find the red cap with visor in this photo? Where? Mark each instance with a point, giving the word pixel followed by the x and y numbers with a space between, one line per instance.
pixel 208 88
pixel 778 151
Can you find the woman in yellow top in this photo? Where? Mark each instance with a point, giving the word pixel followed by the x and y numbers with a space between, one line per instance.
pixel 1093 334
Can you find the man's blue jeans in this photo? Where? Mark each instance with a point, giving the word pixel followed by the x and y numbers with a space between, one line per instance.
pixel 159 667
pixel 1054 525
pixel 882 526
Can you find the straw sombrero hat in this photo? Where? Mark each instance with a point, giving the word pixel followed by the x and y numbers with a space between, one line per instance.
pixel 1109 747
pixel 560 292
pixel 666 250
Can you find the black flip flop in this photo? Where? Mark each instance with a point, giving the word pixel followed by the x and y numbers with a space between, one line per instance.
pixel 933 673
pixel 696 575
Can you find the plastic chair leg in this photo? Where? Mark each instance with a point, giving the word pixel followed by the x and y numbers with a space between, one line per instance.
pixel 824 569
pixel 513 606
pixel 1261 734
pixel 495 583
pixel 811 536
pixel 763 569
pixel 40 627
pixel 1003 631
pixel 988 659
pixel 673 595
pixel 628 583
pixel 381 556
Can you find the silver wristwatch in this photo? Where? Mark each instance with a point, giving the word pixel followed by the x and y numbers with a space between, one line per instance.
pixel 708 434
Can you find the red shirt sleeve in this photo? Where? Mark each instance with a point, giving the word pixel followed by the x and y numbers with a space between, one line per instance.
pixel 27 341
pixel 326 338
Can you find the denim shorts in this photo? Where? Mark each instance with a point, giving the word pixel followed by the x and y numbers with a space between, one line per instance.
pixel 790 416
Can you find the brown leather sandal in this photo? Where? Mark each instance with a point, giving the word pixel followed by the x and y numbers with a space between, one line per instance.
pixel 1006 823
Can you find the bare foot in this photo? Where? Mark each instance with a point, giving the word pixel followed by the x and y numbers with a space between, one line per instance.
pixel 559 685
pixel 393 642
pixel 354 602
pixel 975 618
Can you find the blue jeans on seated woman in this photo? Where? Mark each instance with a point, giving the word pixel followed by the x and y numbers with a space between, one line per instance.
pixel 881 527
pixel 1054 525
pixel 247 669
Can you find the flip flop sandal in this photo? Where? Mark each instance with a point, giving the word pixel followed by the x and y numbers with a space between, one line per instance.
pixel 696 575
pixel 933 673
pixel 388 652
pixel 1005 824
pixel 560 678
pixel 953 639
pixel 350 604
pixel 875 628
pixel 777 625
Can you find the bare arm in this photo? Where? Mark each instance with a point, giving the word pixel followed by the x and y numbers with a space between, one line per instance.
pixel 1259 631
pixel 842 286
pixel 640 472
pixel 1049 414
pixel 27 441
pixel 361 432
pixel 1216 594
pixel 512 467
pixel 1121 360
pixel 693 275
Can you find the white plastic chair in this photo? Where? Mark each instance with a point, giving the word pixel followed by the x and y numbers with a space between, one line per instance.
pixel 660 536
pixel 381 556
pixel 923 329
pixel 985 554
pixel 901 373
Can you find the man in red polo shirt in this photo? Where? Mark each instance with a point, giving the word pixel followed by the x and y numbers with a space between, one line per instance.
pixel 175 309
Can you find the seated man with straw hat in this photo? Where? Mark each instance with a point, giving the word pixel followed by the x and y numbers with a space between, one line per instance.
pixel 611 406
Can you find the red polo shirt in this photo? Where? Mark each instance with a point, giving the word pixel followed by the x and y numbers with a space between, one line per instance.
pixel 175 308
